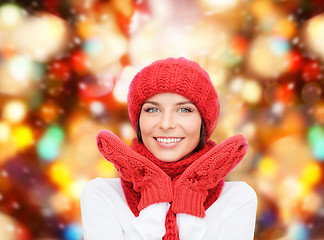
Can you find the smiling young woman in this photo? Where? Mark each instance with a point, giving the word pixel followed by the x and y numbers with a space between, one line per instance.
pixel 171 183
pixel 170 126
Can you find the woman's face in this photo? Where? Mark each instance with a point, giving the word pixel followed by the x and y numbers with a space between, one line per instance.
pixel 170 126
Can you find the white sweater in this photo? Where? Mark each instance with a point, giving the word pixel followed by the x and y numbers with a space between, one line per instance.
pixel 106 215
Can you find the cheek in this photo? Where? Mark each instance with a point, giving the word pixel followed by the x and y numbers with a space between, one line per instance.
pixel 146 126
pixel 193 127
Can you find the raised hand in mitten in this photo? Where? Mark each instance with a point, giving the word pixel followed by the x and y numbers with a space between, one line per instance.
pixel 151 181
pixel 191 188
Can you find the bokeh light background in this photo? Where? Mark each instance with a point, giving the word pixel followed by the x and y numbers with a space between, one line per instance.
pixel 65 67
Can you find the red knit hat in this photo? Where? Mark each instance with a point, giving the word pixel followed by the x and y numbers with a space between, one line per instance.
pixel 180 76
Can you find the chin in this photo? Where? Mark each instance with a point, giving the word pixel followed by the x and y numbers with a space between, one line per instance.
pixel 168 158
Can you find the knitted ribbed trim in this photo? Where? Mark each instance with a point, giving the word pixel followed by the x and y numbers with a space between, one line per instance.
pixel 180 76
pixel 174 170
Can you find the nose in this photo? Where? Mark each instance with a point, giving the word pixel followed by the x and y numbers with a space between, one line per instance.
pixel 167 120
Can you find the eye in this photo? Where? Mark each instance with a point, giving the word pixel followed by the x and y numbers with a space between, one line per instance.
pixel 151 110
pixel 185 109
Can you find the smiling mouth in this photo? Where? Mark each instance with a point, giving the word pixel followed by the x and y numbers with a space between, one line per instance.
pixel 168 140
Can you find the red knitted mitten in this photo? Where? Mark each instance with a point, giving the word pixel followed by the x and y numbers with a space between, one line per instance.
pixel 191 189
pixel 152 182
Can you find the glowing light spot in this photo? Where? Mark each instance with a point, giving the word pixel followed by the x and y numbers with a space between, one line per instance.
pixel 249 130
pixel 262 8
pixel 122 85
pixel 237 84
pixel 218 5
pixel 279 45
pixel 76 187
pixel 72 232
pixel 21 68
pixel 120 91
pixel 96 85
pixel 268 167
pixel 318 148
pixel 293 188
pixel 251 91
pixel 105 47
pixel 15 111
pixel 269 56
pixel 239 45
pixel 311 174
pixel 4 132
pixel 93 46
pixel 277 108
pixel 312 202
pixel 312 70
pixel 23 232
pixel 314 36
pixel 316 138
pixel 295 61
pixel 4 173
pixel 106 169
pixel 85 28
pixel 41 36
pixel 285 93
pixel 56 133
pixel 285 28
pixel 60 174
pixel 49 112
pixel 60 202
pixel 50 144
pixel 10 15
pixel 298 231
pixel 97 108
pixel 48 149
pixel 318 112
pixel 315 132
pixel 23 137
pixel 126 131
pixel 79 62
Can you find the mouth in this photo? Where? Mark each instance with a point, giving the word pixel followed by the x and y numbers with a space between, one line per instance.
pixel 168 140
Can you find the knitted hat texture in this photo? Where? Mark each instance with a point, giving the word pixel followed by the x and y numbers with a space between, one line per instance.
pixel 180 76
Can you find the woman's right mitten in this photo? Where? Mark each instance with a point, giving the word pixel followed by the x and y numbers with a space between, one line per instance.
pixel 147 178
pixel 191 188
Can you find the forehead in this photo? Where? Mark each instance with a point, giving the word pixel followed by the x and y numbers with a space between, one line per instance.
pixel 168 98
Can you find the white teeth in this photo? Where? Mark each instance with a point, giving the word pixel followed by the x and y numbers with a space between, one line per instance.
pixel 168 140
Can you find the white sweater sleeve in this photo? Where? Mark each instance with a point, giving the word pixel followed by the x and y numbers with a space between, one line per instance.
pixel 150 223
pixel 232 217
pixel 191 227
pixel 238 221
pixel 106 215
pixel 99 221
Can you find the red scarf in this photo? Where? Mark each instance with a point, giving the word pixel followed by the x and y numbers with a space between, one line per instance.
pixel 174 170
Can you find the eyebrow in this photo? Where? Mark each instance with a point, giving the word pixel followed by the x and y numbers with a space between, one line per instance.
pixel 179 103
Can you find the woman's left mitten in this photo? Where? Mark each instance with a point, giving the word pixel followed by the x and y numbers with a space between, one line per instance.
pixel 191 189
pixel 147 178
